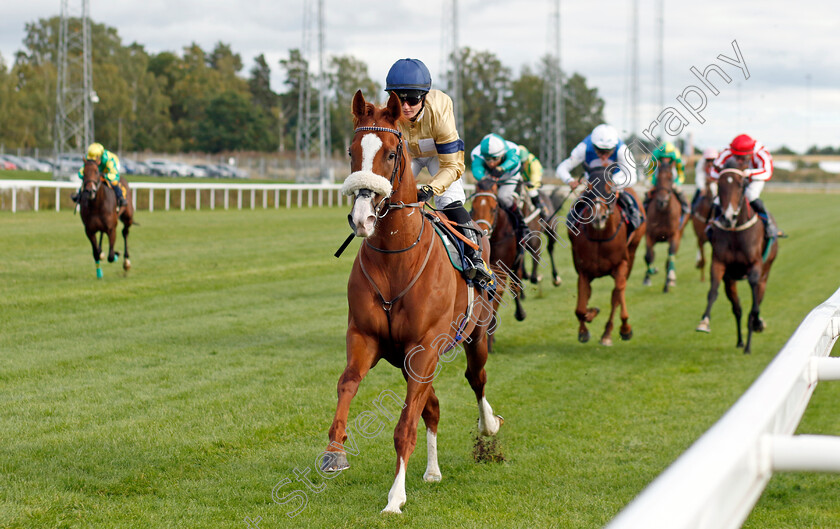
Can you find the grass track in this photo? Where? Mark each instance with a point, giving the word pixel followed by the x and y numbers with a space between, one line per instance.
pixel 180 395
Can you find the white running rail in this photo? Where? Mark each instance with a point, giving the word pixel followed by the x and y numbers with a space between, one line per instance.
pixel 232 195
pixel 717 481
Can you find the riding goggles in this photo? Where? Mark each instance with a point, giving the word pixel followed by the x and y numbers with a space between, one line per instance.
pixel 412 98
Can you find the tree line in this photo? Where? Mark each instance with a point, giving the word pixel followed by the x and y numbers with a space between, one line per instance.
pixel 202 101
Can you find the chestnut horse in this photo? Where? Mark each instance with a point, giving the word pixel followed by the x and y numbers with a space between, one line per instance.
pixel 504 253
pixel 601 247
pixel 665 223
pixel 98 209
pixel 407 304
pixel 699 219
pixel 739 250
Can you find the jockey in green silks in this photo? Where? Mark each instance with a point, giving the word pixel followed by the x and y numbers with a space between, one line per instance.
pixel 109 168
pixel 669 151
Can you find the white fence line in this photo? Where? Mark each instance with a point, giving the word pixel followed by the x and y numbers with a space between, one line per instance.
pixel 717 481
pixel 310 194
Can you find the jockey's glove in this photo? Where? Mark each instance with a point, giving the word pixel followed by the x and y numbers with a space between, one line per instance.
pixel 535 200
pixel 425 193
pixel 495 172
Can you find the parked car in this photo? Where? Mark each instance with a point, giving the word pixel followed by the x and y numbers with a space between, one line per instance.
pixel 231 171
pixel 167 168
pixel 7 164
pixel 210 170
pixel 37 165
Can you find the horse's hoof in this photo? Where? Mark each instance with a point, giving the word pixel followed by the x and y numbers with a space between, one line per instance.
pixel 583 336
pixel 126 265
pixel 647 281
pixel 536 279
pixel 557 281
pixel 740 344
pixel 519 315
pixel 704 326
pixel 334 462
pixel 432 477
pixel 98 273
pixel 626 336
pixel 607 341
pixel 759 325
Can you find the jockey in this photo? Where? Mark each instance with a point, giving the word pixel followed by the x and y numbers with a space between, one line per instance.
pixel 433 142
pixel 109 168
pixel 500 159
pixel 669 151
pixel 603 148
pixel 701 173
pixel 753 158
pixel 531 172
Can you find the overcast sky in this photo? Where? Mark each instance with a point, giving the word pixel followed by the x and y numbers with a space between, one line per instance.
pixel 783 44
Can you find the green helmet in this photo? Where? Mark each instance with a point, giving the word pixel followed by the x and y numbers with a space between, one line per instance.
pixel 666 150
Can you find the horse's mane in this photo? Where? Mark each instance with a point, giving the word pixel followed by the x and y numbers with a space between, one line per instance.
pixel 598 179
pixel 485 184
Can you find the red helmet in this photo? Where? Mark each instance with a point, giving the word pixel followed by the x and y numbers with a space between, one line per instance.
pixel 742 145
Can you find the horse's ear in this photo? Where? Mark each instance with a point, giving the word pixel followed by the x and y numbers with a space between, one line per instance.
pixel 359 105
pixel 393 107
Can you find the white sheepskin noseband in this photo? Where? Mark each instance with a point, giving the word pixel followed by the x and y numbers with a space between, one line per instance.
pixel 366 180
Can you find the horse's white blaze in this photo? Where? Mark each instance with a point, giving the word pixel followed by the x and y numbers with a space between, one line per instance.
pixel 432 469
pixel 488 423
pixel 363 216
pixel 730 213
pixel 396 496
pixel 370 146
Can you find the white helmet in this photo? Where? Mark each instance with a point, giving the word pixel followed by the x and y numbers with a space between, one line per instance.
pixel 710 153
pixel 605 137
pixel 493 146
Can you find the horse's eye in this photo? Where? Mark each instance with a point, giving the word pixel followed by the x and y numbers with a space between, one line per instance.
pixel 348 152
pixel 392 155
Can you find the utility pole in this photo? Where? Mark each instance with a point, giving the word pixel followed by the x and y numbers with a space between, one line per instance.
pixel 311 125
pixel 451 59
pixel 74 88
pixel 552 147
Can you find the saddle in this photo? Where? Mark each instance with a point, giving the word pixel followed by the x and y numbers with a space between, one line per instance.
pixel 454 243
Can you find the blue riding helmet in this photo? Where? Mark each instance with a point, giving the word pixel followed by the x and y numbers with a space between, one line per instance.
pixel 408 74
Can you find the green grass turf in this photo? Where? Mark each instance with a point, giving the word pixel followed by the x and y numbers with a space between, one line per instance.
pixel 179 396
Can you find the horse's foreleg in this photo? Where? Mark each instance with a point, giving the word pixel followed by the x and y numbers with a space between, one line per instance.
pixel 91 235
pixel 554 273
pixel 405 434
pixel 715 275
pixel 671 275
pixel 126 262
pixel 431 416
pixel 731 289
pixel 361 355
pixel 701 258
pixel 617 299
pixel 649 257
pixel 112 239
pixel 583 313
pixel 753 321
pixel 476 352
pixel 101 255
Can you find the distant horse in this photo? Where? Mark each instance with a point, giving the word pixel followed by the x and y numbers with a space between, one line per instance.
pixel 739 250
pixel 601 247
pixel 407 304
pixel 699 219
pixel 665 222
pixel 98 209
pixel 504 255
pixel 534 242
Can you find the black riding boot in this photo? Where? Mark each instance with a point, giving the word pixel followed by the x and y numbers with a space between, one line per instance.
pixel 120 198
pixel 695 199
pixel 685 209
pixel 475 267
pixel 770 228
pixel 631 209
pixel 519 225
pixel 75 196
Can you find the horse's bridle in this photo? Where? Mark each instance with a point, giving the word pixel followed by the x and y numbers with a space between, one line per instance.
pixel 482 222
pixel 386 201
pixel 97 183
